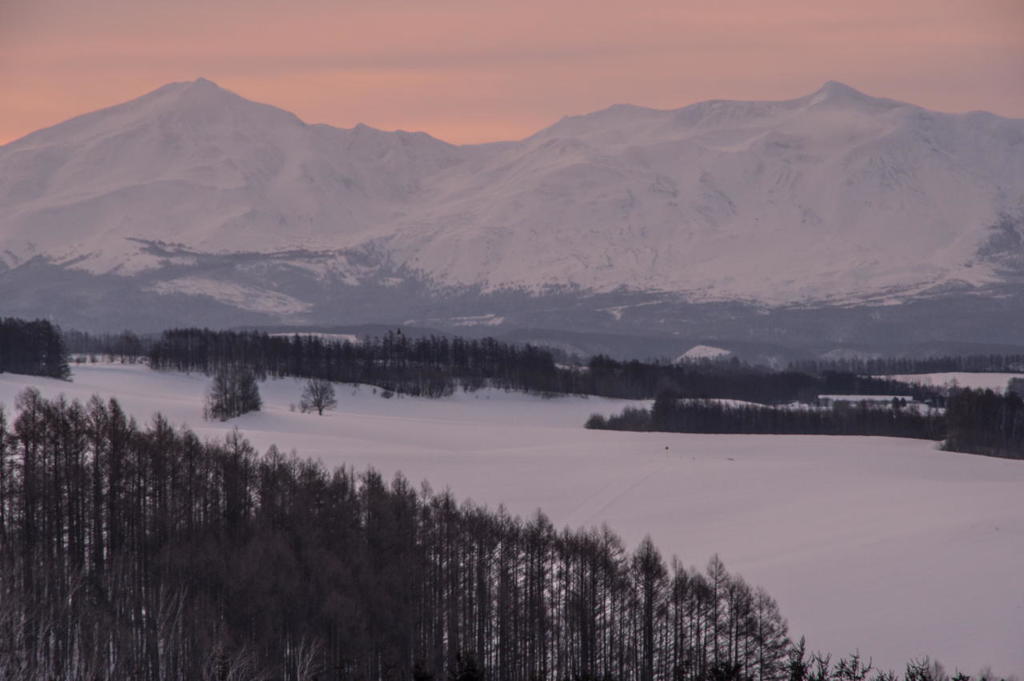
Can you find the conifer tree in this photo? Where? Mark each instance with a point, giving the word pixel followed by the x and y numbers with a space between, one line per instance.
pixel 233 392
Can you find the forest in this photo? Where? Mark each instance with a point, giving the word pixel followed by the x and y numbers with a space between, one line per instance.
pixel 32 347
pixel 142 553
pixel 986 422
pixel 129 346
pixel 673 413
pixel 1005 363
pixel 973 421
pixel 435 366
pixel 125 346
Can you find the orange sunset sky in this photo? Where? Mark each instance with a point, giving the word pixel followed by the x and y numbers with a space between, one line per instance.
pixel 479 71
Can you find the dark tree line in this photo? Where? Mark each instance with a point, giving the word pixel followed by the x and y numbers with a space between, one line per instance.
pixel 735 380
pixel 986 422
pixel 125 346
pixel 974 421
pixel 32 347
pixel 432 367
pixel 915 365
pixel 145 554
pixel 435 366
pixel 671 413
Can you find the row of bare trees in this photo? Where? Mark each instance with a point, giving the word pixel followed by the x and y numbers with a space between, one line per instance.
pixel 987 422
pixel 146 554
pixel 435 366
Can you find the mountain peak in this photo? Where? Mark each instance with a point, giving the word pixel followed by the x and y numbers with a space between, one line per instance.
pixel 836 94
pixel 205 101
pixel 200 87
pixel 834 88
pixel 191 104
pixel 198 83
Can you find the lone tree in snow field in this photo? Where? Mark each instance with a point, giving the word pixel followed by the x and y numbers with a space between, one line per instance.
pixel 318 394
pixel 233 392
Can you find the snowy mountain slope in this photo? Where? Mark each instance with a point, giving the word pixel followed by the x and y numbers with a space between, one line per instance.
pixel 700 353
pixel 721 199
pixel 196 165
pixel 836 198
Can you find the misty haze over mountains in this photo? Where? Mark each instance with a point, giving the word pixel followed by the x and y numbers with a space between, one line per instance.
pixel 835 220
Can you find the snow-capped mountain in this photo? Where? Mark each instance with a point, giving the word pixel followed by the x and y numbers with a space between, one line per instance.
pixel 195 165
pixel 836 198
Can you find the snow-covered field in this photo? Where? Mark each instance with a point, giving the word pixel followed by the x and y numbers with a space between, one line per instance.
pixel 963 379
pixel 883 545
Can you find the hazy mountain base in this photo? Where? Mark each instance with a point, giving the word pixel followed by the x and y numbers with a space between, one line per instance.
pixel 283 291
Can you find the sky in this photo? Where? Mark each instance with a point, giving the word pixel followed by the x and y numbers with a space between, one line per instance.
pixel 481 70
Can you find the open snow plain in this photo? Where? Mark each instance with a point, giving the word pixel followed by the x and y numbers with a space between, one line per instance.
pixel 884 545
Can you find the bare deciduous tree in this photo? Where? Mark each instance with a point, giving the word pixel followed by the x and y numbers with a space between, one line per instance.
pixel 318 394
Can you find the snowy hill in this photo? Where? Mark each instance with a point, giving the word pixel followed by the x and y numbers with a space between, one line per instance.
pixel 885 545
pixel 836 198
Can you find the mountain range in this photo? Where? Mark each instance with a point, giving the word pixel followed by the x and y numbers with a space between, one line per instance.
pixel 836 219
